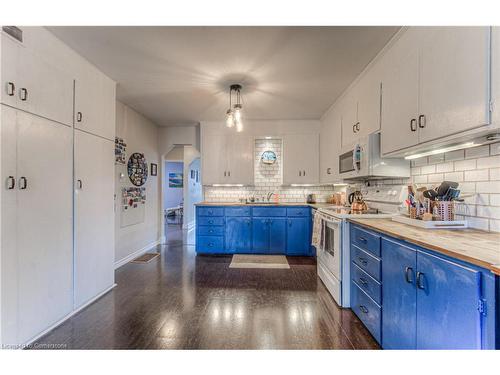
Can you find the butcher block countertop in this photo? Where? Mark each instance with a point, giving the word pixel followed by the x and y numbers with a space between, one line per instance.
pixel 470 245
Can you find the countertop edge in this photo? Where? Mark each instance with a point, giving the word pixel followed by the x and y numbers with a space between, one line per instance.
pixel 285 204
pixel 493 268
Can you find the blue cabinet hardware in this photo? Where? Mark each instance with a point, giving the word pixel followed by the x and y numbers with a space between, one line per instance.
pixel 426 300
pixel 255 230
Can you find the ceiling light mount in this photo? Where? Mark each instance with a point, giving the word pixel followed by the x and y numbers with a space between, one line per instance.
pixel 233 114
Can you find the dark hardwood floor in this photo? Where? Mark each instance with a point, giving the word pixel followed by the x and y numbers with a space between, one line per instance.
pixel 184 301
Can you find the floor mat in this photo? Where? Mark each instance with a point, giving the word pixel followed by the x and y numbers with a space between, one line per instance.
pixel 145 258
pixel 259 261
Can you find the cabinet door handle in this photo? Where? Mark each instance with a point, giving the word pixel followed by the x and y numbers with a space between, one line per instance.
pixel 363 281
pixel 363 261
pixel 363 309
pixel 79 184
pixel 24 94
pixel 289 223
pixel 303 173
pixel 357 127
pixel 362 239
pixel 408 273
pixel 11 182
pixel 300 173
pixel 79 117
pixel 354 128
pixel 23 183
pixel 328 170
pixel 225 173
pixel 210 221
pixel 413 125
pixel 11 88
pixel 420 280
pixel 421 121
pixel 228 173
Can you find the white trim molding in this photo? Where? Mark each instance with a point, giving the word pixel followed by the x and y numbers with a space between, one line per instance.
pixel 139 252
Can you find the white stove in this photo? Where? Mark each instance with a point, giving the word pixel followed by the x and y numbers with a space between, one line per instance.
pixel 333 256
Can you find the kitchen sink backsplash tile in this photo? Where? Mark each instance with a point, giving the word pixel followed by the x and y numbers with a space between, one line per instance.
pixel 477 170
pixel 267 178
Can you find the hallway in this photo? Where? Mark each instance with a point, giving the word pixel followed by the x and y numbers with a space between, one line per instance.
pixel 184 301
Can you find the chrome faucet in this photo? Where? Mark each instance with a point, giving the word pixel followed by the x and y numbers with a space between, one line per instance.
pixel 269 195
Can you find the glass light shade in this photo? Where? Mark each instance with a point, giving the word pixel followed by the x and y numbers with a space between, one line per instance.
pixel 237 113
pixel 239 125
pixel 229 118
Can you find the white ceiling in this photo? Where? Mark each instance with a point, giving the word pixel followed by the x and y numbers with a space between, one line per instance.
pixel 180 75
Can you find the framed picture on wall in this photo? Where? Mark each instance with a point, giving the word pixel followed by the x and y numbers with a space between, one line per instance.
pixel 175 180
pixel 154 169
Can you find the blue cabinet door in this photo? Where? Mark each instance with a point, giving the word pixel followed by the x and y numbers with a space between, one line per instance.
pixel 448 295
pixel 238 234
pixel 260 235
pixel 277 235
pixel 297 236
pixel 399 304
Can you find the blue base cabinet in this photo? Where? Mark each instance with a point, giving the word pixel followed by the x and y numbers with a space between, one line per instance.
pixel 254 230
pixel 428 300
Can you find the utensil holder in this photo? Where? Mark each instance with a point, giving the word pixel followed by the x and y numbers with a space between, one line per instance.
pixel 445 210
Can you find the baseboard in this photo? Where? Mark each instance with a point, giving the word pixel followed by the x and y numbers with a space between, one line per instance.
pixel 137 253
pixel 59 322
pixel 163 240
pixel 189 226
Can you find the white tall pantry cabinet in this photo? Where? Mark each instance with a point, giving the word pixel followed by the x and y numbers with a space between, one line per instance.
pixel 57 192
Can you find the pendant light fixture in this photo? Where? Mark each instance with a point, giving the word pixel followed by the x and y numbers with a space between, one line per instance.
pixel 233 114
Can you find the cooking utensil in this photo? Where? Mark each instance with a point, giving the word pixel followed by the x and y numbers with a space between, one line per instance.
pixel 445 185
pixel 431 194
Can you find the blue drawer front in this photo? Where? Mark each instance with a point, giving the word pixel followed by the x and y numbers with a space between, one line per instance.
pixel 367 283
pixel 210 230
pixel 207 220
pixel 210 245
pixel 238 211
pixel 210 211
pixel 268 211
pixel 366 262
pixel 298 211
pixel 365 240
pixel 367 311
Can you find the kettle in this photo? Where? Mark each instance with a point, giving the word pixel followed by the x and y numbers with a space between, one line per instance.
pixel 311 198
pixel 356 201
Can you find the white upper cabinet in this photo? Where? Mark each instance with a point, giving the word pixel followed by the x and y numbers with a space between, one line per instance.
pixel 400 94
pixel 227 159
pixel 95 105
pixel 495 75
pixel 360 108
pixel 454 80
pixel 435 84
pixel 31 84
pixel 348 109
pixel 329 146
pixel 240 161
pixel 301 159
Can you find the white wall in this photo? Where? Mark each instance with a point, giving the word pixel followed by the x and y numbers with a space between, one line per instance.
pixel 140 135
pixel 263 128
pixel 168 137
pixel 192 189
pixel 173 197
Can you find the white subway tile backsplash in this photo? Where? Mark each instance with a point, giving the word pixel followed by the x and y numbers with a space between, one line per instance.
pixel 445 167
pixel 454 155
pixel 435 178
pixel 478 223
pixel 454 176
pixel 420 179
pixel 495 149
pixel 433 159
pixel 477 175
pixel 428 169
pixel 494 225
pixel 494 199
pixel 420 161
pixel 489 212
pixel 488 187
pixel 416 171
pixel 494 174
pixel 477 152
pixel 489 162
pixel 464 165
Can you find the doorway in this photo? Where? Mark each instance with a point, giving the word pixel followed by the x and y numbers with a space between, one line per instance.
pixel 182 189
